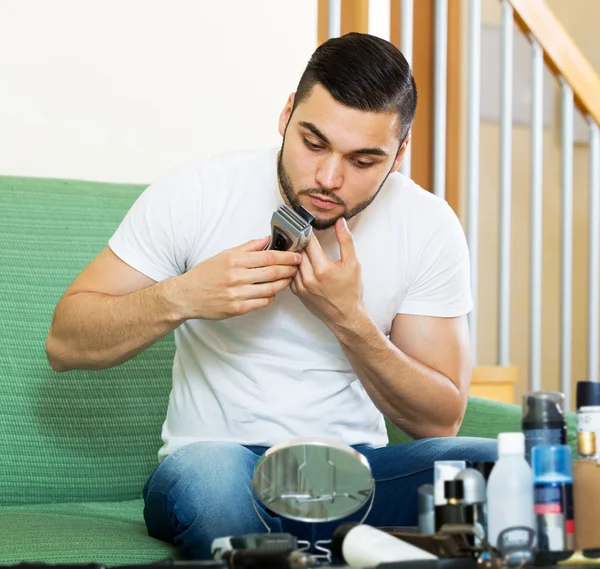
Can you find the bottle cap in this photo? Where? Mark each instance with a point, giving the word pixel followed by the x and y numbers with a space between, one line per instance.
pixel 552 459
pixel 473 486
pixel 543 407
pixel 454 490
pixel 511 443
pixel 588 394
pixel 586 443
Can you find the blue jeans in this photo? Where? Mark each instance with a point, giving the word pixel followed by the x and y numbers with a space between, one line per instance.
pixel 202 491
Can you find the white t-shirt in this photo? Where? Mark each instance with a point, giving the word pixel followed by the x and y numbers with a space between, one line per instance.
pixel 278 373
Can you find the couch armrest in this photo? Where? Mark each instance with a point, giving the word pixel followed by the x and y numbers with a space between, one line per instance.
pixel 486 418
pixel 483 418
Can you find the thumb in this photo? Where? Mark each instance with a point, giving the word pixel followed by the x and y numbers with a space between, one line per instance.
pixel 346 241
pixel 254 245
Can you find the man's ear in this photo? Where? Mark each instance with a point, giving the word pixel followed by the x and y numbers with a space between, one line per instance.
pixel 401 153
pixel 285 115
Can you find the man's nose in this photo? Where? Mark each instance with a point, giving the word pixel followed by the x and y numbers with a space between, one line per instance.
pixel 329 173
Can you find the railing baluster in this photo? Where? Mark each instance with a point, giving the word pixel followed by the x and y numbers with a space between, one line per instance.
pixel 593 373
pixel 567 242
pixel 379 18
pixel 334 13
pixel 505 185
pixel 406 47
pixel 537 149
pixel 439 97
pixel 473 160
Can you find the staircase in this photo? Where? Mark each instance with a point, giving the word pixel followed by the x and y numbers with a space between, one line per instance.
pixel 507 132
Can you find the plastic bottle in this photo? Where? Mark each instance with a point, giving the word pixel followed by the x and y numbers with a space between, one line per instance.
pixel 510 491
pixel 553 496
pixel 543 420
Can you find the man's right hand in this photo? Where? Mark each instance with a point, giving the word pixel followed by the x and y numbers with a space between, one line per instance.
pixel 235 281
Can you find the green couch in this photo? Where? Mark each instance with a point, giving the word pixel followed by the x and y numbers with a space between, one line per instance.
pixel 76 448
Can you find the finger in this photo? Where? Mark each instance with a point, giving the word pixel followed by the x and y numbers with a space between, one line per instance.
pixel 306 272
pixel 266 274
pixel 252 260
pixel 253 304
pixel 299 283
pixel 263 290
pixel 316 255
pixel 254 245
pixel 346 241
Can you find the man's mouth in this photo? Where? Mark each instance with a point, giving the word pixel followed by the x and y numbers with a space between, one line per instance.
pixel 322 202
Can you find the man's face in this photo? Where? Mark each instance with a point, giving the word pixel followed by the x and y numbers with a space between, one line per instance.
pixel 335 159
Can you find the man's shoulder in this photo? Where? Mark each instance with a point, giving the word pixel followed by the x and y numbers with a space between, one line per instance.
pixel 218 171
pixel 233 161
pixel 414 202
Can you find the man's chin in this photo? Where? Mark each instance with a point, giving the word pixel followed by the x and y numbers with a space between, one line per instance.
pixel 321 223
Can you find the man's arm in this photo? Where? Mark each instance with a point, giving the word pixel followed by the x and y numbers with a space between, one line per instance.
pixel 112 312
pixel 109 314
pixel 419 378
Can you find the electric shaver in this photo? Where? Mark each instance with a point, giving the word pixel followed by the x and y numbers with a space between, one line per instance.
pixel 290 230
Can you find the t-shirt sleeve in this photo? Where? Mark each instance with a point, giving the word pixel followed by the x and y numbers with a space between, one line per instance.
pixel 157 232
pixel 439 283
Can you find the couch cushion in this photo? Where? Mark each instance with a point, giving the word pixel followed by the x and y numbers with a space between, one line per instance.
pixel 107 533
pixel 84 435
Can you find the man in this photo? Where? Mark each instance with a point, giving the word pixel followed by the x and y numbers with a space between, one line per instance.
pixel 368 321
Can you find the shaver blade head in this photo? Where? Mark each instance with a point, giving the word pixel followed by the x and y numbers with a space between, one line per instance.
pixel 290 229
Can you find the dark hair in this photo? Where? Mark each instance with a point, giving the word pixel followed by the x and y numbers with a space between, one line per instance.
pixel 363 72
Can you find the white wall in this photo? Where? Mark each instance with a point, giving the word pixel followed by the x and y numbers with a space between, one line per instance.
pixel 123 90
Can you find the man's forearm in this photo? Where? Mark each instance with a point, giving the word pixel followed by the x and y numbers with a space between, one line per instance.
pixel 92 330
pixel 416 398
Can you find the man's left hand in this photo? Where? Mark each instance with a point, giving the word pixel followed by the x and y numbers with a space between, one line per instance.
pixel 332 291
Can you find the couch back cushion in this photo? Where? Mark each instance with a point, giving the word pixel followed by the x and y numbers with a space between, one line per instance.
pixel 81 435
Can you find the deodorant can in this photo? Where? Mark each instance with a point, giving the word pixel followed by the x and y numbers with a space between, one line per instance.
pixel 553 497
pixel 588 419
pixel 543 420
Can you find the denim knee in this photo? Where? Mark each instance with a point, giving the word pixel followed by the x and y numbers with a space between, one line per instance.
pixel 201 492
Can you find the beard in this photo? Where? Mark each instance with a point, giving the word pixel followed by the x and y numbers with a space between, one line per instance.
pixel 293 196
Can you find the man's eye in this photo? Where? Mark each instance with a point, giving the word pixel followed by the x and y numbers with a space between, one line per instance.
pixel 312 146
pixel 362 164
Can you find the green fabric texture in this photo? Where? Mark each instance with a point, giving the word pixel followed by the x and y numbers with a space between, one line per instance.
pixel 110 533
pixel 78 436
pixel 76 448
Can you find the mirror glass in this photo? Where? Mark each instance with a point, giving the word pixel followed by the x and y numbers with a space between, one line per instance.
pixel 313 480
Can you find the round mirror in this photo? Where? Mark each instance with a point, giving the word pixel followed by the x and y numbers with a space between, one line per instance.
pixel 313 480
